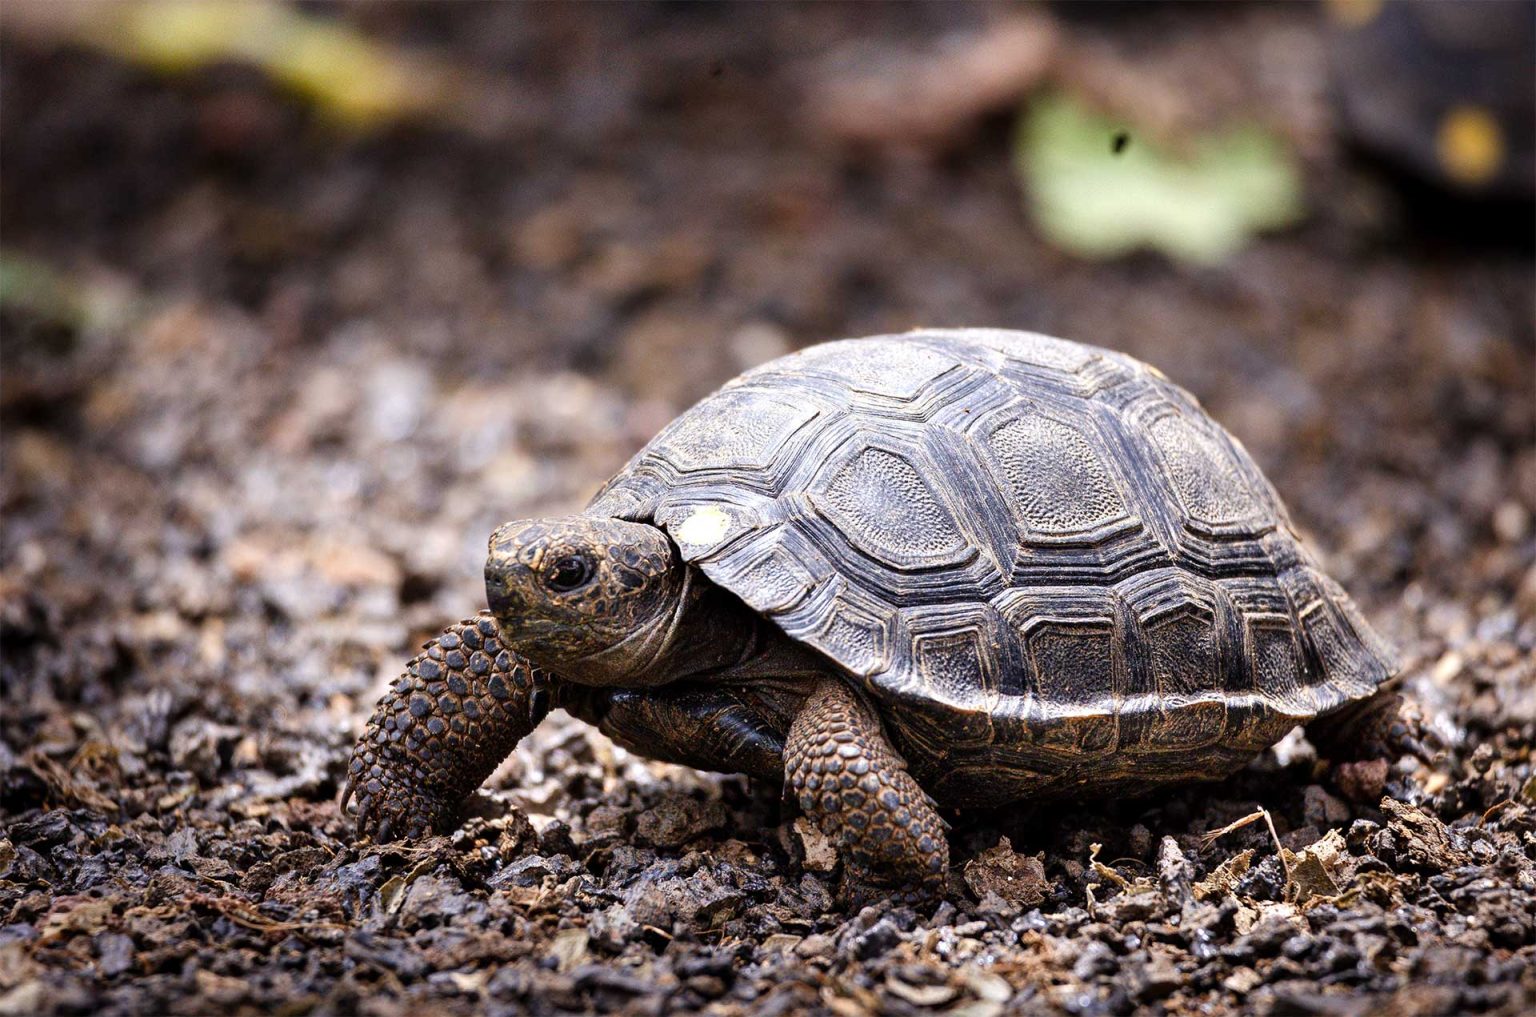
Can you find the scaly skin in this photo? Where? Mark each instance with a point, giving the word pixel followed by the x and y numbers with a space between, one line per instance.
pixel 1383 726
pixel 456 712
pixel 857 791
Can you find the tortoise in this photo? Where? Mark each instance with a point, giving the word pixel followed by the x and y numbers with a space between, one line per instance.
pixel 949 568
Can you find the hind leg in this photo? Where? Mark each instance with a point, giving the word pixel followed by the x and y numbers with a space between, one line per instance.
pixel 1383 726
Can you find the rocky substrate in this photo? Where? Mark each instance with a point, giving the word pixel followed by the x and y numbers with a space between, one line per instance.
pixel 301 376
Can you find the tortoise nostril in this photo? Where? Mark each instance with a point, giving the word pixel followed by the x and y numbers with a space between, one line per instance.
pixel 499 595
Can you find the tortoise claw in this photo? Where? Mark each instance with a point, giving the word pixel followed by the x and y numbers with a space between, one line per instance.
pixel 389 816
pixel 1409 734
pixel 399 802
pixel 857 894
pixel 1385 726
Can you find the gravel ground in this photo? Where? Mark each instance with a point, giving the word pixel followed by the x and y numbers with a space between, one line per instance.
pixel 317 370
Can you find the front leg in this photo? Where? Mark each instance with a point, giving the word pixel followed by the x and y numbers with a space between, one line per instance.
pixel 856 789
pixel 456 712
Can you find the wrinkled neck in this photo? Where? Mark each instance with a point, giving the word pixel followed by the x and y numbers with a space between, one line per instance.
pixel 705 631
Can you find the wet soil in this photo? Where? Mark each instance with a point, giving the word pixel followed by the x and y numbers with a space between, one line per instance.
pixel 319 368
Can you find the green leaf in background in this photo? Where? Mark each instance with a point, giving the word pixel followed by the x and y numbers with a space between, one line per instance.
pixel 354 79
pixel 30 286
pixel 1099 190
pixel 34 289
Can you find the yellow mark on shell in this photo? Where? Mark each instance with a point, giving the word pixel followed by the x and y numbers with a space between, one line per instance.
pixel 704 527
pixel 1470 145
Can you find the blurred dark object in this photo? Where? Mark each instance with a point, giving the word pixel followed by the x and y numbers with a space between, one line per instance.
pixel 1441 91
pixel 931 97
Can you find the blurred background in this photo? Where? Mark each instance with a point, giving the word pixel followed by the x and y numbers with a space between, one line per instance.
pixel 300 300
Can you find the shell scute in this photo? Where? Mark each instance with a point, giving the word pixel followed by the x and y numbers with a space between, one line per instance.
pixel 735 429
pixel 880 501
pixel 1061 485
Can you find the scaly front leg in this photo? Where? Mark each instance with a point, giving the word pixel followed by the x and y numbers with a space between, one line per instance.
pixel 853 785
pixel 456 712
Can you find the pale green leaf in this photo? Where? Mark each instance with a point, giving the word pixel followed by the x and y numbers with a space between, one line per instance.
pixel 1200 205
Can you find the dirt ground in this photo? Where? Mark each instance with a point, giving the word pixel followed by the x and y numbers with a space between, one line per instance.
pixel 318 368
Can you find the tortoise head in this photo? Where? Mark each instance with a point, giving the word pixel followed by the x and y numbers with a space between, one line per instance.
pixel 594 600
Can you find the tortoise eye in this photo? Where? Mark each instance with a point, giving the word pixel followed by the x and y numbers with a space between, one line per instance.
pixel 569 573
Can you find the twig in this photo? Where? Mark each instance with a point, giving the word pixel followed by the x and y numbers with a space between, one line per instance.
pixel 1210 838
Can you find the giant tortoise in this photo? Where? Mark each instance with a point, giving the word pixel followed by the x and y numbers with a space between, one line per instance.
pixel 943 569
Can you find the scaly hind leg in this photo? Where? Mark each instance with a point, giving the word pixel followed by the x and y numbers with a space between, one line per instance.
pixel 1382 726
pixel 851 783
pixel 460 707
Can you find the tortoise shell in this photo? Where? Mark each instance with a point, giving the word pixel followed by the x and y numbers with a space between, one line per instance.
pixel 1049 569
